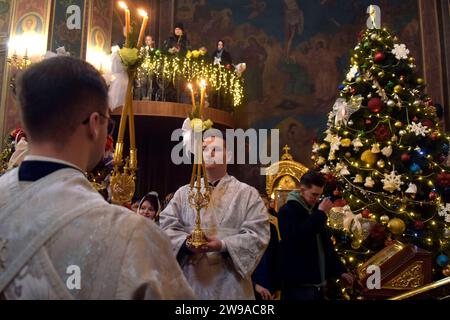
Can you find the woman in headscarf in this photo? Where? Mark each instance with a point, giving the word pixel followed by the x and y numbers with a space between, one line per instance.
pixel 150 206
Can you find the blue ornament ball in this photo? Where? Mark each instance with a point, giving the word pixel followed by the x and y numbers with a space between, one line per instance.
pixel 442 260
pixel 415 168
pixel 445 149
pixel 341 87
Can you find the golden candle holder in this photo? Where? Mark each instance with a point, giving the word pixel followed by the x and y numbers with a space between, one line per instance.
pixel 198 196
pixel 198 199
pixel 123 176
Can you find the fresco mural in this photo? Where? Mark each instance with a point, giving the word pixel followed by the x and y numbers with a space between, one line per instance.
pixel 296 53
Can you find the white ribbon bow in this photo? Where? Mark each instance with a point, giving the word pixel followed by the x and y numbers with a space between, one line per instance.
pixel 351 221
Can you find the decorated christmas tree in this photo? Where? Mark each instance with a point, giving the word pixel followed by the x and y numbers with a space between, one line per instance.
pixel 384 155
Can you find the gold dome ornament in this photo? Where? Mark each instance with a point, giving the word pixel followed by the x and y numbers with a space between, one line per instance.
pixel 369 157
pixel 446 271
pixel 398 124
pixel 396 226
pixel 384 219
pixel 346 143
pixel 356 244
pixel 398 89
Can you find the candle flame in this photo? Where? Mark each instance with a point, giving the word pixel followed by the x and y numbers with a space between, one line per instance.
pixel 142 13
pixel 123 5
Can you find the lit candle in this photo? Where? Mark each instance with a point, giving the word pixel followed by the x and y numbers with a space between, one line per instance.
pixel 203 91
pixel 124 6
pixel 192 95
pixel 143 27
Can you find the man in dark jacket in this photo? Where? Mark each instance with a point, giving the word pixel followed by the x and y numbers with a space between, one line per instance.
pixel 307 256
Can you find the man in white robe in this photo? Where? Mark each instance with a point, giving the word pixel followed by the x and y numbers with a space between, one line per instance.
pixel 58 238
pixel 235 223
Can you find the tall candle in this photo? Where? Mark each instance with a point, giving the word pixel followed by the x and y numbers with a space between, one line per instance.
pixel 203 91
pixel 192 96
pixel 143 27
pixel 124 6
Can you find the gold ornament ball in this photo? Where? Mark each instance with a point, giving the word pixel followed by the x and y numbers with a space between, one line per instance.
pixel 348 154
pixel 381 74
pixel 402 132
pixel 416 103
pixel 373 37
pixel 391 103
pixel 323 146
pixel 398 124
pixel 394 139
pixel 398 89
pixel 420 81
pixel 396 226
pixel 346 142
pixel 369 157
pixel 447 233
pixel 359 80
pixel 446 271
pixel 381 163
pixel 411 60
pixel 356 244
pixel 384 219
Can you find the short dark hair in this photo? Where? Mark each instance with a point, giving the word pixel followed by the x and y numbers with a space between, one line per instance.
pixel 313 178
pixel 57 95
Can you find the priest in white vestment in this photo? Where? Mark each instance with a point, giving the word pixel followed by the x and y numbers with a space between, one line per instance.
pixel 59 239
pixel 236 224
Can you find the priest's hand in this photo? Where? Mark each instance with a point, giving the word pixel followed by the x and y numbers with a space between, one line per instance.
pixel 212 245
pixel 264 293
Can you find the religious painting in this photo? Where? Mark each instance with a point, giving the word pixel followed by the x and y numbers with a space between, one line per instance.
pixel 31 23
pixel 63 36
pixel 98 39
pixel 4 16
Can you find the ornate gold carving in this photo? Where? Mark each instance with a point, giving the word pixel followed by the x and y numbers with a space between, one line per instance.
pixel 411 278
pixel 285 174
pixel 3 244
pixel 123 184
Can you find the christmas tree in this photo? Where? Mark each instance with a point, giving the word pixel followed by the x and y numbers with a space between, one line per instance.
pixel 384 156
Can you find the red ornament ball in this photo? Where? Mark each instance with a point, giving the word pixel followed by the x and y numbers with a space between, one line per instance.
pixel 353 91
pixel 427 123
pixel 443 180
pixel 378 57
pixel 383 133
pixel 405 157
pixel 339 203
pixel 375 105
pixel 415 119
pixel 433 195
pixel 365 213
pixel 434 137
pixel 368 122
pixel 419 225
